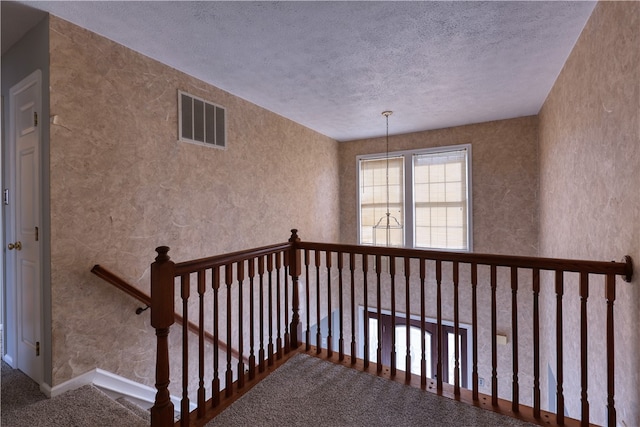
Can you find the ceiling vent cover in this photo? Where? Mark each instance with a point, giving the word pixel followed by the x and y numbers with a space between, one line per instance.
pixel 201 122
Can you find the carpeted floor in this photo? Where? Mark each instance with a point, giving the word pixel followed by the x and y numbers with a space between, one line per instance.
pixel 310 391
pixel 23 405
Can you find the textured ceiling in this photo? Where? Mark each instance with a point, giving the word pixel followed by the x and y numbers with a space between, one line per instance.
pixel 335 66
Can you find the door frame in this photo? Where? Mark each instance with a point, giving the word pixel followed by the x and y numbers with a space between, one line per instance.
pixel 9 260
pixel 372 312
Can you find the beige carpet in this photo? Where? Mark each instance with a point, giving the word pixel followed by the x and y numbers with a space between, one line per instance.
pixel 23 405
pixel 309 391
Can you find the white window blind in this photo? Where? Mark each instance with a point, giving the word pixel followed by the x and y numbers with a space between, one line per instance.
pixel 440 200
pixel 373 201
pixel 427 198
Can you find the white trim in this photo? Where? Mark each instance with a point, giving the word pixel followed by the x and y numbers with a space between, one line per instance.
pixel 9 260
pixel 461 325
pixel 110 382
pixel 9 360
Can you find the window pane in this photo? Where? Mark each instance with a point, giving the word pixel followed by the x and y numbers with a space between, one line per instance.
pixel 439 217
pixel 454 191
pixel 415 349
pixel 423 237
pixel 440 199
pixel 451 357
pixel 373 339
pixel 455 217
pixel 436 192
pixel 439 237
pixel 377 198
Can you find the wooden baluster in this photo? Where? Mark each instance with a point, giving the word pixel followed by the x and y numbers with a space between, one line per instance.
pixel 494 339
pixel 318 314
pixel 278 305
pixel 215 383
pixel 287 338
pixel 559 361
pixel 240 278
pixel 536 343
pixel 515 401
pixel 610 295
pixel 456 330
pixel 329 314
pixel 201 389
pixel 407 294
pixel 261 355
pixel 365 287
pixel 162 317
pixel 341 307
pixel 392 274
pixel 584 397
pixel 228 386
pixel 307 257
pixel 294 272
pixel 352 266
pixel 184 403
pixel 474 323
pixel 270 309
pixel 439 345
pixel 379 350
pixel 423 345
pixel 252 356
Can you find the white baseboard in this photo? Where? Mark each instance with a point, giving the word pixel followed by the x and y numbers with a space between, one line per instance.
pixel 9 360
pixel 112 383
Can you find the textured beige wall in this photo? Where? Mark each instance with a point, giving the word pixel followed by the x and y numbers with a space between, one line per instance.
pixel 590 199
pixel 121 185
pixel 504 173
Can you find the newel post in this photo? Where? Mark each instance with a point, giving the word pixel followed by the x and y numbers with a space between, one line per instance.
pixel 294 271
pixel 162 317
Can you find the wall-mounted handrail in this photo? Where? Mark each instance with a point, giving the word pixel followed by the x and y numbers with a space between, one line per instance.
pixel 121 284
pixel 129 289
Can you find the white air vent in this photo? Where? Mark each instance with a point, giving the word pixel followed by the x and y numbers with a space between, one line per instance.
pixel 201 122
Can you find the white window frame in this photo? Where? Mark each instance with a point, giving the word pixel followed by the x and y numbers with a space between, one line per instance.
pixel 409 207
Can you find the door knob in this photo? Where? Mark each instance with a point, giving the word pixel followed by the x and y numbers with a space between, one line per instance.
pixel 17 246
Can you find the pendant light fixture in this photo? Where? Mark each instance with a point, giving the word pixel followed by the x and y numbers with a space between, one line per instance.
pixel 387 222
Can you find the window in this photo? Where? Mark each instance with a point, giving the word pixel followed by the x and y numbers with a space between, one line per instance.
pixel 415 346
pixel 426 194
pixel 200 122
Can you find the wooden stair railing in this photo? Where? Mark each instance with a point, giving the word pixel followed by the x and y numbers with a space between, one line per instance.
pixel 386 265
pixel 247 282
pixel 129 289
pixel 265 273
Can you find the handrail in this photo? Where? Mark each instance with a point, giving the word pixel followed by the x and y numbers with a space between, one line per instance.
pixel 129 289
pixel 623 268
pixel 219 260
pixel 121 284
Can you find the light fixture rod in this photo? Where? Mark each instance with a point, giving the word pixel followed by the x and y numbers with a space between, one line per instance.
pixel 386 114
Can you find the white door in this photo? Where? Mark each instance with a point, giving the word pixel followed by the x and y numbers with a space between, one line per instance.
pixel 23 246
